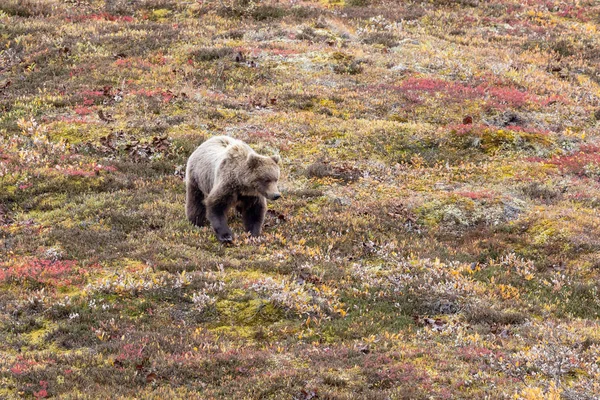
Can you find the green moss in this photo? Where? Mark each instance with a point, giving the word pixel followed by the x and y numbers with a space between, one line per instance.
pixel 75 133
pixel 401 142
pixel 382 317
pixel 51 201
pixel 491 140
pixel 7 190
pixel 542 232
pixel 249 312
pixel 430 214
pixel 38 337
pixel 160 14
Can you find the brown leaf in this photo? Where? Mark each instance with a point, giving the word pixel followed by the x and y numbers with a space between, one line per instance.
pixel 160 143
pixel 364 349
pixel 306 395
pixel 4 218
pixel 109 141
pixel 105 117
pixel 468 120
pixel 5 86
pixel 151 377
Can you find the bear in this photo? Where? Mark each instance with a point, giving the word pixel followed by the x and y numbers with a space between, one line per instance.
pixel 224 172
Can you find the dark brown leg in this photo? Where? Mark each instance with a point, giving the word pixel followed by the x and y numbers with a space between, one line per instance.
pixel 217 204
pixel 254 210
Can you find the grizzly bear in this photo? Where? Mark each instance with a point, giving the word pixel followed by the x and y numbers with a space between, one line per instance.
pixel 223 172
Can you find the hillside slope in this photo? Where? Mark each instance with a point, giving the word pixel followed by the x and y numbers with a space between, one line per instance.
pixel 438 235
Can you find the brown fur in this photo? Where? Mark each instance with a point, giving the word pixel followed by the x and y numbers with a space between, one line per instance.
pixel 223 172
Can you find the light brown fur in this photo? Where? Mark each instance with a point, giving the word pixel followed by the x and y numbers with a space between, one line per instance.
pixel 223 172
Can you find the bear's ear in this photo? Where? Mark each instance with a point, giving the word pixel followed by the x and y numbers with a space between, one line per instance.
pixel 276 158
pixel 253 161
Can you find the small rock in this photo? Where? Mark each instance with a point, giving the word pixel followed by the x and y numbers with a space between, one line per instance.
pixel 414 42
pixel 342 201
pixel 405 42
pixel 443 186
pixel 512 211
pixel 53 254
pixel 399 67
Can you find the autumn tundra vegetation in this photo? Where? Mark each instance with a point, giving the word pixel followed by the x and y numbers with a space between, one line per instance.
pixel 437 235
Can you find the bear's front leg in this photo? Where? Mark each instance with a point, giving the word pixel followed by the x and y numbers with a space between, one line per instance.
pixel 217 204
pixel 254 209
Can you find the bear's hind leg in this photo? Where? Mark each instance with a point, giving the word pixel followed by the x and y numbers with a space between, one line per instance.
pixel 194 205
pixel 254 210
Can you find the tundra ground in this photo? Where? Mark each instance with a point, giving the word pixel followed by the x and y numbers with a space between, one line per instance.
pixel 438 235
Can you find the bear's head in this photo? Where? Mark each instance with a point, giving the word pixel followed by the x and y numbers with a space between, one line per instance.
pixel 262 175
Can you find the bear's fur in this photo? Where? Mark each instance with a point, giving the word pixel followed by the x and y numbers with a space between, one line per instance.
pixel 223 172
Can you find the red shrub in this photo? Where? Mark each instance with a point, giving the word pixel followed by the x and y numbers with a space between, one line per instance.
pixel 511 97
pixel 83 110
pixel 579 163
pixel 131 353
pixel 474 353
pixel 57 273
pixel 493 94
pixel 22 366
pixel 71 120
pixel 92 93
pixel 91 96
pixel 477 195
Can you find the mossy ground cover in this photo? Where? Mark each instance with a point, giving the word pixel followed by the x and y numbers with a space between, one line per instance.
pixel 439 231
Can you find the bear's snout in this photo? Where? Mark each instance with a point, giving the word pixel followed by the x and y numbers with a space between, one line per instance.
pixel 274 196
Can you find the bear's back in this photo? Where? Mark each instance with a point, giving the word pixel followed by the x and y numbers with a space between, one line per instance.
pixel 205 162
